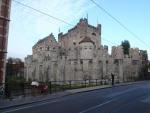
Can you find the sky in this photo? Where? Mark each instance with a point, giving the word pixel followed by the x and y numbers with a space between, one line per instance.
pixel 28 26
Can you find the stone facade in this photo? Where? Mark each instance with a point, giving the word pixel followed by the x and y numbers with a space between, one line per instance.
pixel 79 55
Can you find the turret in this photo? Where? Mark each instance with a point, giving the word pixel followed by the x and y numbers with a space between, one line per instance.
pixel 87 47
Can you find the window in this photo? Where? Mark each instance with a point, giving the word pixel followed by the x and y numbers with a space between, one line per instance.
pixel 106 61
pixel 99 61
pixel 90 61
pixel 93 34
pixel 48 48
pixel 1 43
pixel 116 61
pixel 81 62
pixel 74 43
pixel 90 47
pixel 75 62
pixel 135 62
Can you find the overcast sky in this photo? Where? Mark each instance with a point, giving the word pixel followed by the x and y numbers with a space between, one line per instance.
pixel 28 26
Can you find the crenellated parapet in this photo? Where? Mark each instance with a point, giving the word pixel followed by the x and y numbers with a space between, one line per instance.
pixel 79 55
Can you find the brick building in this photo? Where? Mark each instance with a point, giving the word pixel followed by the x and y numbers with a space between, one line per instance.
pixel 4 26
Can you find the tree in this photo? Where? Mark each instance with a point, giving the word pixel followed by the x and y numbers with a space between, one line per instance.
pixel 126 46
pixel 14 67
pixel 9 65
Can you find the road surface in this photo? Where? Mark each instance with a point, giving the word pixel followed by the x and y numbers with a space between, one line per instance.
pixel 122 99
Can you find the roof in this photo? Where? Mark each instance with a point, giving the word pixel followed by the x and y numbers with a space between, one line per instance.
pixel 40 41
pixel 86 39
pixel 44 39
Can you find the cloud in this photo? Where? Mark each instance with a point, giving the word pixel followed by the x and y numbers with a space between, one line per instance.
pixel 28 26
pixel 67 10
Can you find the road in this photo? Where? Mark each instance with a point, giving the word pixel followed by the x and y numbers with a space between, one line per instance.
pixel 122 99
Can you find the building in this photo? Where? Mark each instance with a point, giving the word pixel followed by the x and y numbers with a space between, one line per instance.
pixel 4 26
pixel 79 55
pixel 145 65
pixel 14 67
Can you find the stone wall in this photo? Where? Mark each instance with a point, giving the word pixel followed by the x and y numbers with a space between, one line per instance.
pixel 79 55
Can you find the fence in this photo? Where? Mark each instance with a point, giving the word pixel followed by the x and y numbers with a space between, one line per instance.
pixel 26 89
pixel 1 90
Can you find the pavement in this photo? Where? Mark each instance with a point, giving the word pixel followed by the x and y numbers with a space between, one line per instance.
pixel 8 104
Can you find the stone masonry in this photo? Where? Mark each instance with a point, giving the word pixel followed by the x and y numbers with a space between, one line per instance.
pixel 79 55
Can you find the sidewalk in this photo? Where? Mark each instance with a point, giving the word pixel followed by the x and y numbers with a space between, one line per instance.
pixel 4 104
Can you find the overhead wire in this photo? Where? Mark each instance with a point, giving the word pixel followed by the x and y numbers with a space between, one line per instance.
pixel 41 12
pixel 61 20
pixel 58 19
pixel 120 23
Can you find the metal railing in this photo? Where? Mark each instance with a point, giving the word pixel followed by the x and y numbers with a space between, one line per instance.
pixel 13 90
pixel 1 90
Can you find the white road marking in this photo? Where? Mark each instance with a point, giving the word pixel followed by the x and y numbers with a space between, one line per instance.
pixel 26 107
pixel 100 105
pixel 97 106
pixel 146 99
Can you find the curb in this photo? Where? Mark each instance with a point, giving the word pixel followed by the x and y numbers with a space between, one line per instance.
pixel 28 103
pixel 69 93
pixel 110 86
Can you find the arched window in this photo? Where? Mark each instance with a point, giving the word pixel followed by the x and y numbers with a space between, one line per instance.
pixel 48 48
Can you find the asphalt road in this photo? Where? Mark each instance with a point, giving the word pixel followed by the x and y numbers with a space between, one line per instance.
pixel 123 99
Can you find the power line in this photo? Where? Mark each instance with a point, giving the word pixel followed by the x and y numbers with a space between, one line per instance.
pixel 41 12
pixel 120 23
pixel 58 19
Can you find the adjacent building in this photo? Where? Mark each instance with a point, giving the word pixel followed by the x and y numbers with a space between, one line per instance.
pixel 14 67
pixel 4 27
pixel 79 55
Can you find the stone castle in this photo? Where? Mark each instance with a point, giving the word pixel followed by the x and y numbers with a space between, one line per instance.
pixel 79 55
